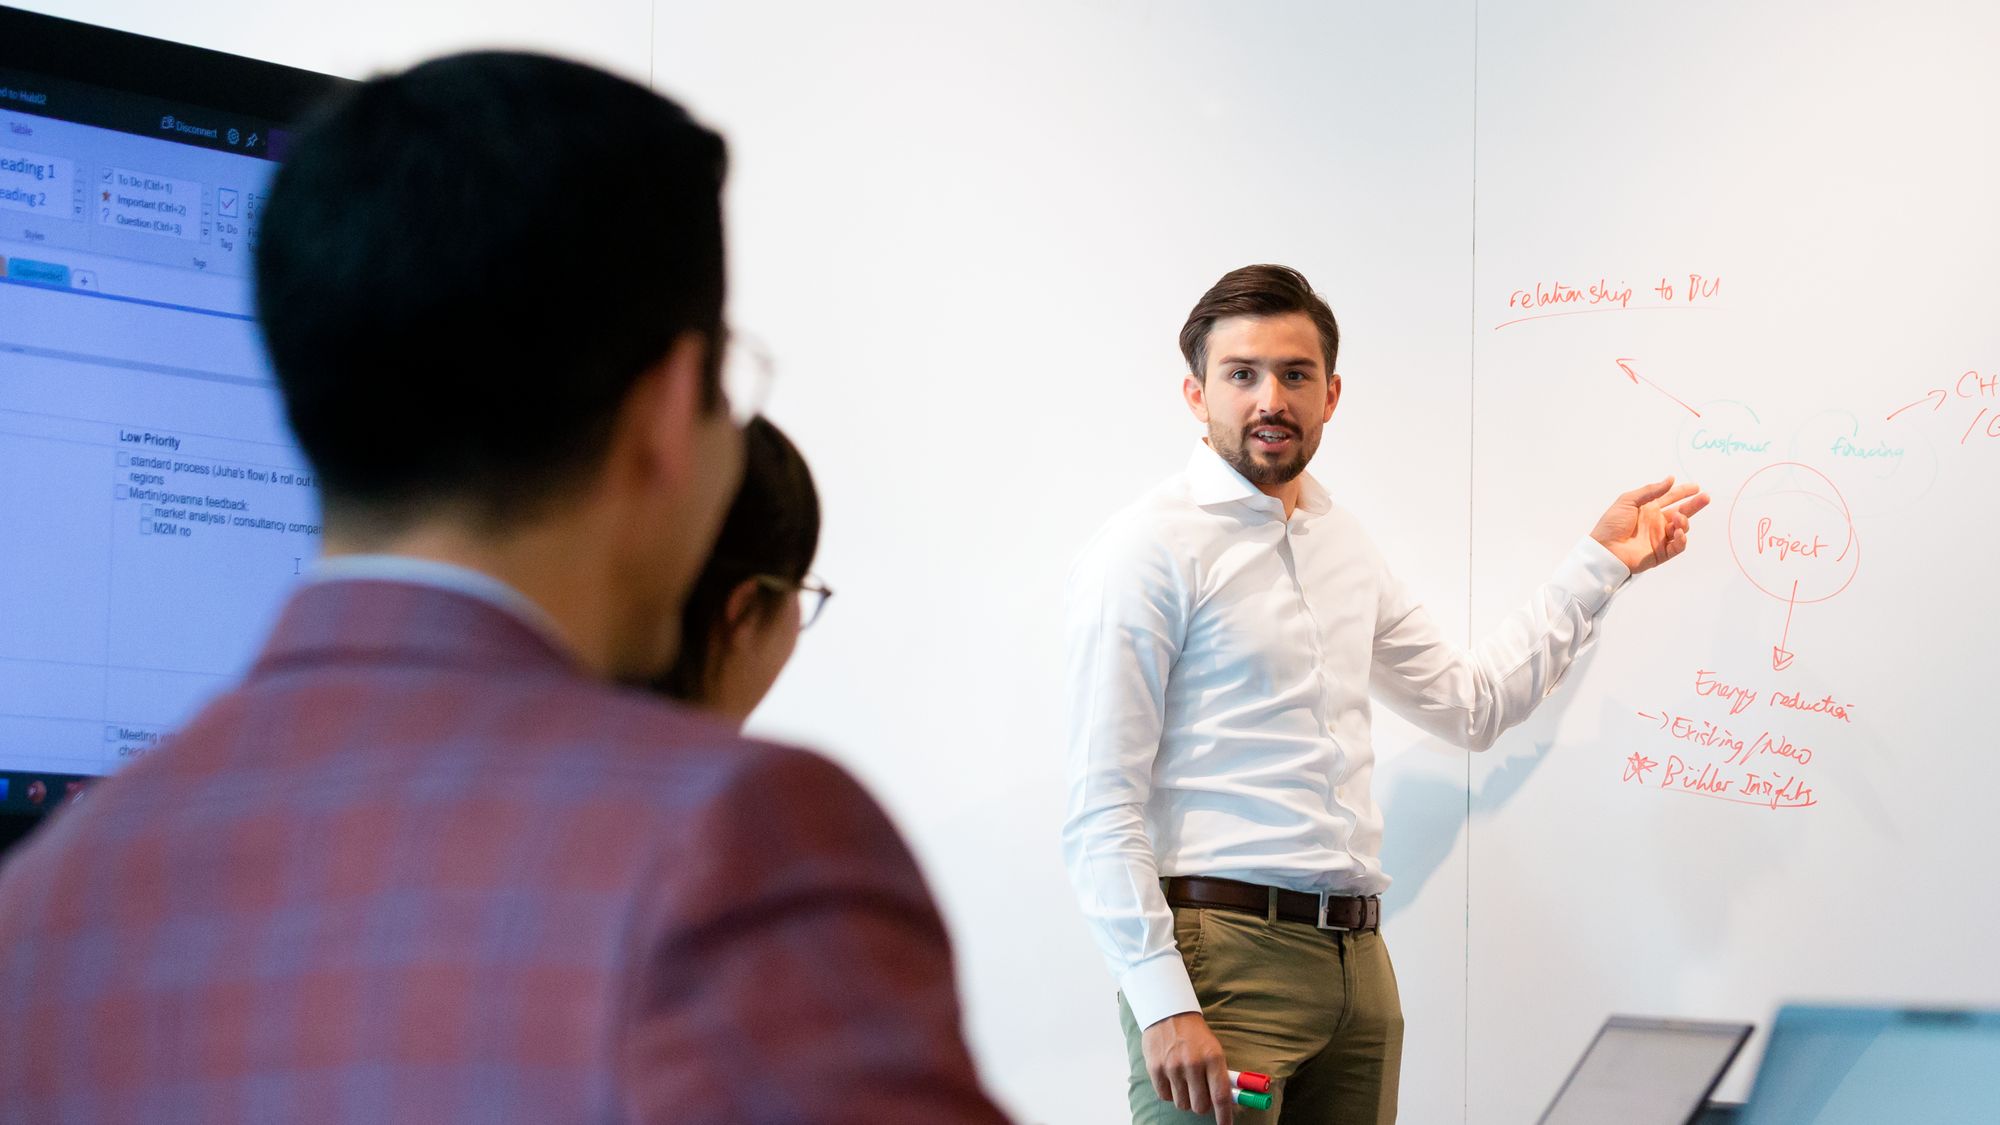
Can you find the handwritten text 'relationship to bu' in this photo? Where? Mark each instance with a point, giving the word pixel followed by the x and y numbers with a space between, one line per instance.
pixel 1545 298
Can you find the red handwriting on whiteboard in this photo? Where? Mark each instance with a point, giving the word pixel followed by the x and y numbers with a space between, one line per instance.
pixel 1708 735
pixel 1769 789
pixel 1625 365
pixel 1707 780
pixel 1776 745
pixel 1786 545
pixel 1544 298
pixel 1698 288
pixel 1825 705
pixel 1738 698
pixel 1991 429
pixel 1702 732
pixel 1971 388
pixel 1544 294
pixel 1715 760
pixel 1741 698
pixel 1804 548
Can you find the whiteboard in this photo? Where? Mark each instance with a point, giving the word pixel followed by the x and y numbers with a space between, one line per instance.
pixel 1753 245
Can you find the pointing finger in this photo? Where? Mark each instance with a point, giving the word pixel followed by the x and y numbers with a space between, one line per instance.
pixel 1692 504
pixel 1647 493
pixel 1677 494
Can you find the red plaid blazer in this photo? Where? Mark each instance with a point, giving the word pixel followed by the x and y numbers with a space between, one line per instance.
pixel 418 867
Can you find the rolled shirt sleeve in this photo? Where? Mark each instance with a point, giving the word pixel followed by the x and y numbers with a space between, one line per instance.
pixel 1469 697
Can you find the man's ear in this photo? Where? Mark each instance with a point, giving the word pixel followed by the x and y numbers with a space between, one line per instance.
pixel 1196 394
pixel 741 611
pixel 1332 396
pixel 665 409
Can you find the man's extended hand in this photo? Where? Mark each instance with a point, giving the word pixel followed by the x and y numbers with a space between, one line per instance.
pixel 1187 1067
pixel 1649 525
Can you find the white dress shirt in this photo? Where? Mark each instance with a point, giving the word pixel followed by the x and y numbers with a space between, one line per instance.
pixel 1219 664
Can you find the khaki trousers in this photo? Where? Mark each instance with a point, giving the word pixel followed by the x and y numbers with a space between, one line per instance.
pixel 1317 1011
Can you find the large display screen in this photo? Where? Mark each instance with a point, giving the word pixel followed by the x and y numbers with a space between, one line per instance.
pixel 156 510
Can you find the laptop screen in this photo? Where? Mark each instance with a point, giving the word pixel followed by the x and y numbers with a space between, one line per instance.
pixel 1646 1072
pixel 1849 1066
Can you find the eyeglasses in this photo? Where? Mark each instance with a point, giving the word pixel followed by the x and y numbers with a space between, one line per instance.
pixel 746 375
pixel 812 594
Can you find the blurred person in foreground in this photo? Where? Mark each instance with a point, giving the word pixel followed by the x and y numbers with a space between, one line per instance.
pixel 757 593
pixel 441 856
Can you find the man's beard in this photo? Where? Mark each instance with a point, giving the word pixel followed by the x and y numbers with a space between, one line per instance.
pixel 1235 449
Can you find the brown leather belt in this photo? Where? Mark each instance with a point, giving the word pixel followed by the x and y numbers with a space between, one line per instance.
pixel 1328 912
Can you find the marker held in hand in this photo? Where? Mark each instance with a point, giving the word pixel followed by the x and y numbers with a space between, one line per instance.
pixel 1250 1100
pixel 1250 1080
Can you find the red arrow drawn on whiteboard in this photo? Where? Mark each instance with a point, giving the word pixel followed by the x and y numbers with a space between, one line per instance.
pixel 1781 659
pixel 1625 365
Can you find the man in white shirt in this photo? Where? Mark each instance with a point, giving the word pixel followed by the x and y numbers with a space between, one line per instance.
pixel 1224 634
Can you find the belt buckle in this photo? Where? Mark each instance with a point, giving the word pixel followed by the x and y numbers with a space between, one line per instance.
pixel 1324 898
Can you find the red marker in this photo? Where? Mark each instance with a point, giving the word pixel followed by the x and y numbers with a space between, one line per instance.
pixel 1250 1080
pixel 1248 1100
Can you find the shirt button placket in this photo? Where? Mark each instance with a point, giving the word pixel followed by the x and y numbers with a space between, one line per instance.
pixel 1293 531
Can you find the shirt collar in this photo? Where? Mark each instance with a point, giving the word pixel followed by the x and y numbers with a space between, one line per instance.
pixel 444 576
pixel 1211 480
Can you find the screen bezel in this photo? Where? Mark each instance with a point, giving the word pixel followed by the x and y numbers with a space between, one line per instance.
pixel 161 68
pixel 1740 1032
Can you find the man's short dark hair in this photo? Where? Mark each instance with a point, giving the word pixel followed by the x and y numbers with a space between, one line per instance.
pixel 1262 290
pixel 463 269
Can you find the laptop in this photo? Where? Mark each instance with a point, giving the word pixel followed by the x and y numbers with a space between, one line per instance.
pixel 1847 1065
pixel 1641 1071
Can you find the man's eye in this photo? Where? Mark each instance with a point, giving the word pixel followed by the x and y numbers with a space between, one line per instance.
pixel 1297 376
pixel 1244 373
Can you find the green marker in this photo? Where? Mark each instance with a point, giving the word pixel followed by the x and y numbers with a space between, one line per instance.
pixel 1248 1100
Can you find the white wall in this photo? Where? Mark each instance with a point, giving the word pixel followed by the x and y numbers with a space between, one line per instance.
pixel 970 236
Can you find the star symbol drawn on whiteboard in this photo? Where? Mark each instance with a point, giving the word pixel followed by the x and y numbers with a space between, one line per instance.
pixel 1636 767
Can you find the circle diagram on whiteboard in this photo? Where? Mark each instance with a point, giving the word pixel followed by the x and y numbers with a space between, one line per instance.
pixel 1793 536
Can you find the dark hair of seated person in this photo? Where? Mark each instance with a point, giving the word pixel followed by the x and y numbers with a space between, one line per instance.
pixel 770 532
